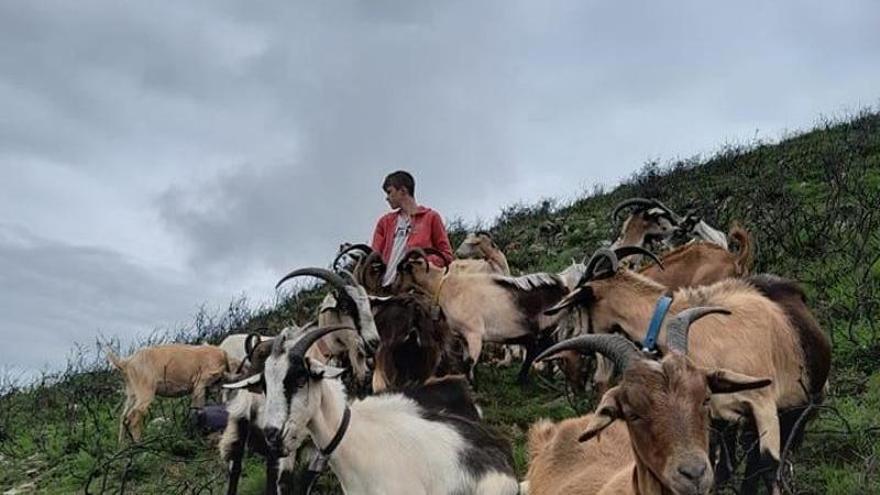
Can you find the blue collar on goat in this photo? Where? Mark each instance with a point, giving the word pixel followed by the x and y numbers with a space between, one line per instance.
pixel 660 310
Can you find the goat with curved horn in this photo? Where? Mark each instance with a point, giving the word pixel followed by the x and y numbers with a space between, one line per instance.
pixel 601 254
pixel 642 202
pixel 677 329
pixel 364 248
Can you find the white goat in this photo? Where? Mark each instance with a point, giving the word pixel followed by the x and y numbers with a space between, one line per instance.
pixel 423 451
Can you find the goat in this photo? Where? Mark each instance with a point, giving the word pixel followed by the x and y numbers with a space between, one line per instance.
pixel 481 255
pixel 660 447
pixel 416 343
pixel 492 308
pixel 424 450
pixel 169 370
pixel 701 263
pixel 368 270
pixel 761 338
pixel 652 221
pixel 347 305
pixel 245 415
pixel 237 345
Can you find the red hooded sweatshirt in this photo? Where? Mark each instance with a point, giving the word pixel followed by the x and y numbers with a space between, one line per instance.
pixel 427 231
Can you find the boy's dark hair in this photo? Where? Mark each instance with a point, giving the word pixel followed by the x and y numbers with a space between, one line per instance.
pixel 399 179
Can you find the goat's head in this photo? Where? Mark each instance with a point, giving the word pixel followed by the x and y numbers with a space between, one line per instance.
pixel 414 267
pixel 370 272
pixel 649 219
pixel 352 298
pixel 286 380
pixel 413 341
pixel 356 253
pixel 664 403
pixel 476 245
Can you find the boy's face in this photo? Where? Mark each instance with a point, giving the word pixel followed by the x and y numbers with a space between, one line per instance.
pixel 393 195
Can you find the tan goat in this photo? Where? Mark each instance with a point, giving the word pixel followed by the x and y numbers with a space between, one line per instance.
pixel 481 255
pixel 760 338
pixel 169 370
pixel 661 444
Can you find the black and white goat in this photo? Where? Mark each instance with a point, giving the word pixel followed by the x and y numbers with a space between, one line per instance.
pixel 386 444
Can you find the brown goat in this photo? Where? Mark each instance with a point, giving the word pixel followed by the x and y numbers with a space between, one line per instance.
pixel 170 370
pixel 416 343
pixel 663 447
pixel 761 338
pixel 702 263
pixel 652 221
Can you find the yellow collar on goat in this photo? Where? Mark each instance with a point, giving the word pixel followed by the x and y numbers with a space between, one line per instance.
pixel 436 311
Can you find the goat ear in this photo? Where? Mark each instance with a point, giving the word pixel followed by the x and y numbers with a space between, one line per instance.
pixel 318 371
pixel 607 411
pixel 723 381
pixel 332 372
pixel 579 295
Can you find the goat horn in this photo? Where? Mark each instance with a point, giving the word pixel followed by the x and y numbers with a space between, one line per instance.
pixel 625 251
pixel 485 233
pixel 366 249
pixel 348 277
pixel 617 348
pixel 600 255
pixel 632 202
pixel 677 329
pixel 308 340
pixel 249 344
pixel 419 252
pixel 324 274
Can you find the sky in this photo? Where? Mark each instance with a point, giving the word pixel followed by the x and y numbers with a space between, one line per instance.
pixel 161 156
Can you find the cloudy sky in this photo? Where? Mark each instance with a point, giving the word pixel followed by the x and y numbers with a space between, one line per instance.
pixel 160 155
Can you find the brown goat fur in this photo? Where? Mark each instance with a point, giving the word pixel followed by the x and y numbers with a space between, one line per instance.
pixel 415 344
pixel 759 338
pixel 660 445
pixel 169 370
pixel 698 263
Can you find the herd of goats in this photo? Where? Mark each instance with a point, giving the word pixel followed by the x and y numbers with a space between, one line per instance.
pixel 698 362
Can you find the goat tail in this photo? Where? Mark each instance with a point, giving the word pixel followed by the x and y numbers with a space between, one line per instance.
pixel 745 259
pixel 539 437
pixel 115 360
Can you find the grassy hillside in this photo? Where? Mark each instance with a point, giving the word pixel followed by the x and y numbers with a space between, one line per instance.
pixel 812 202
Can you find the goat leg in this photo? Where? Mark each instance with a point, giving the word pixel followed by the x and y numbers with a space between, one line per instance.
pixel 236 455
pixel 271 473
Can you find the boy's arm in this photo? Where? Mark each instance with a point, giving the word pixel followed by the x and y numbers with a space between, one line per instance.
pixel 440 238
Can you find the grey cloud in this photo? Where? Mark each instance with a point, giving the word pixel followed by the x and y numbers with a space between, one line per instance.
pixel 232 140
pixel 56 294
